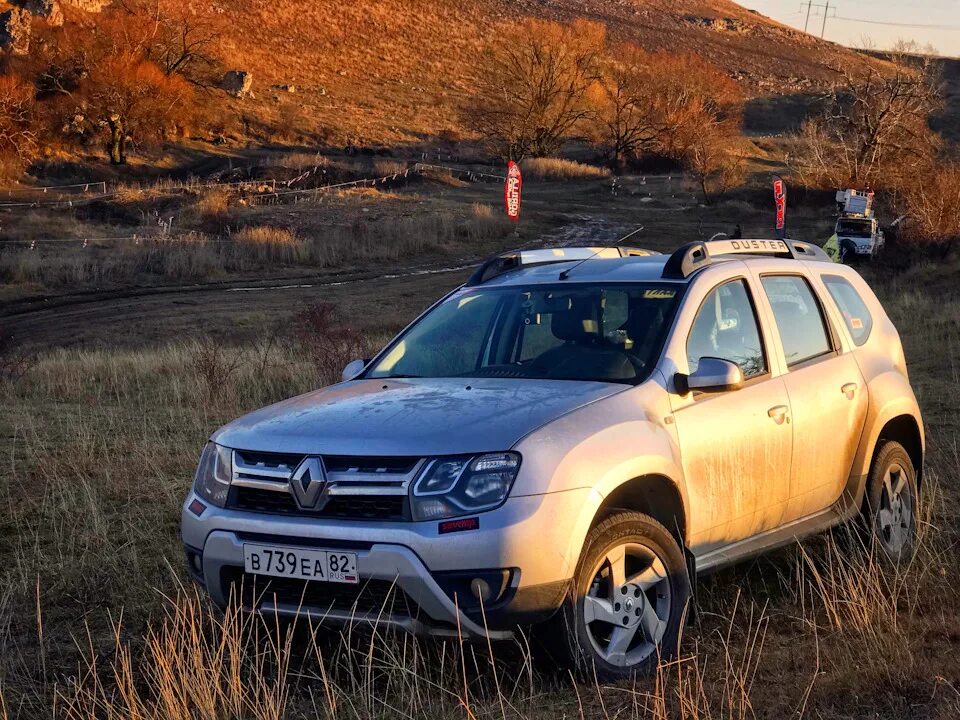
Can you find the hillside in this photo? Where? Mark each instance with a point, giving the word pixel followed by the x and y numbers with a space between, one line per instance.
pixel 393 71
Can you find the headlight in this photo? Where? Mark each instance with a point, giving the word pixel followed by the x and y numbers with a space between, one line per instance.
pixel 450 487
pixel 212 481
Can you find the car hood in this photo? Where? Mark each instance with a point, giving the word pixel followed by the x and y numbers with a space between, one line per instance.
pixel 411 417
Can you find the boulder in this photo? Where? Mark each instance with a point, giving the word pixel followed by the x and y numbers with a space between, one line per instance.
pixel 48 9
pixel 238 83
pixel 92 6
pixel 15 31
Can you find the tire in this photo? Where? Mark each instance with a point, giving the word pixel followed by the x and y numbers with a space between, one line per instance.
pixel 635 623
pixel 848 253
pixel 891 503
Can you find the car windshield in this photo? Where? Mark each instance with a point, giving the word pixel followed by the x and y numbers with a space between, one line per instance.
pixel 855 228
pixel 606 333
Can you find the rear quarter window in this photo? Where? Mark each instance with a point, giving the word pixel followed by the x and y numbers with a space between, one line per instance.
pixel 854 310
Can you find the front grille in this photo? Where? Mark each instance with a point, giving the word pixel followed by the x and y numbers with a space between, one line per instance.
pixel 357 487
pixel 354 507
pixel 386 465
pixel 370 596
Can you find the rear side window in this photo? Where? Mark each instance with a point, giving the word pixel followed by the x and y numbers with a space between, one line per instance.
pixel 852 307
pixel 799 319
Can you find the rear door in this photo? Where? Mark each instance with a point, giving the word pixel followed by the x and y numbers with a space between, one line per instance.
pixel 828 396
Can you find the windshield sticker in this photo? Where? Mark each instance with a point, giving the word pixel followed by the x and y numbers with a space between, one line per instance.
pixel 856 323
pixel 659 294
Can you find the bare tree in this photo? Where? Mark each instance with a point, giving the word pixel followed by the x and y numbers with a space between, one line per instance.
pixel 629 116
pixel 18 139
pixel 875 131
pixel 932 202
pixel 533 86
pixel 182 36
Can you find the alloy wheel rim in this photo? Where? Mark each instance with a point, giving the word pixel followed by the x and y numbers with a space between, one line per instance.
pixel 627 606
pixel 895 515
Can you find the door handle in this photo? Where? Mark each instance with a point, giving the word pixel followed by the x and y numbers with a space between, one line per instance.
pixel 850 390
pixel 778 413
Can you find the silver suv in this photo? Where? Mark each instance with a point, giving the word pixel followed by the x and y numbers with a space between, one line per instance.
pixel 571 437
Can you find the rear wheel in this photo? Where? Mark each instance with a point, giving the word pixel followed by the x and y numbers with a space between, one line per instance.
pixel 629 598
pixel 892 502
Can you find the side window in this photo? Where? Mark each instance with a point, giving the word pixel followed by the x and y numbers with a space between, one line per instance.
pixel 851 305
pixel 799 319
pixel 726 328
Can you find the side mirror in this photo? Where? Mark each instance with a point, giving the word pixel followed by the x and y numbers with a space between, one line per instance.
pixel 711 375
pixel 353 368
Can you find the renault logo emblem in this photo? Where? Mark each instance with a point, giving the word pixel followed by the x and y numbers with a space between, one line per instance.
pixel 308 482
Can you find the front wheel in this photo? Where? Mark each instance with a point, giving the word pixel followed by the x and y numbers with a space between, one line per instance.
pixel 629 598
pixel 848 252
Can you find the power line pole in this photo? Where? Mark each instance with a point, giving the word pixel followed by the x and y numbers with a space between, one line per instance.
pixel 825 7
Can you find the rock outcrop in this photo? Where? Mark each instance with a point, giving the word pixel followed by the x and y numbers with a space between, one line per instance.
pixel 49 10
pixel 238 83
pixel 15 31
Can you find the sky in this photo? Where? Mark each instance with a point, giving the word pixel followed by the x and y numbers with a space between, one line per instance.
pixel 936 22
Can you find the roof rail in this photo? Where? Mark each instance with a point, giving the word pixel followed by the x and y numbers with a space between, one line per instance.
pixel 691 257
pixel 516 259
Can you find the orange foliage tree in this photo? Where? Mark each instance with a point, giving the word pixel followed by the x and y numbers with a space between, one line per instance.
pixel 679 106
pixel 107 81
pixel 629 109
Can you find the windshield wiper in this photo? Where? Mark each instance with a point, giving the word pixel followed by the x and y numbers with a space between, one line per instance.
pixel 397 377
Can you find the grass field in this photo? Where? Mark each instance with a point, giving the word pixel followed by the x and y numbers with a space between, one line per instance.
pixel 97 619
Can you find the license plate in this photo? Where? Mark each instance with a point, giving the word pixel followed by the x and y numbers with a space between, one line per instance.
pixel 301 563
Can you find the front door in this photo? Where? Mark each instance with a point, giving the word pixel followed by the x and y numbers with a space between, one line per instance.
pixel 735 446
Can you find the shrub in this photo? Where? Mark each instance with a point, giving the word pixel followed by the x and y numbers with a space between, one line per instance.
pixel 326 340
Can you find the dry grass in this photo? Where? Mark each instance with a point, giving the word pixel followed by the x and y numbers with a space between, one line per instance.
pixel 194 257
pixel 271 245
pixel 214 202
pixel 561 169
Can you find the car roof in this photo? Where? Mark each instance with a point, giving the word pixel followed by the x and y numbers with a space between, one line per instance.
pixel 628 265
pixel 596 270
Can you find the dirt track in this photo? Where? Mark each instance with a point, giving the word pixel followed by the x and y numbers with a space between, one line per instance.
pixel 240 312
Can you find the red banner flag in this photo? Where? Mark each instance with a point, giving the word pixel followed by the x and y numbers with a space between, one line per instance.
pixel 780 197
pixel 511 191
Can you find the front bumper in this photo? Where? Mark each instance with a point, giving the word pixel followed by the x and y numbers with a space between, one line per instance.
pixel 529 535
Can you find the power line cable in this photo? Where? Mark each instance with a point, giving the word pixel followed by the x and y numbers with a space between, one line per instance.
pixel 916 26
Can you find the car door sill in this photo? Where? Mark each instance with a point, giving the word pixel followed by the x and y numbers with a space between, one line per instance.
pixel 777 537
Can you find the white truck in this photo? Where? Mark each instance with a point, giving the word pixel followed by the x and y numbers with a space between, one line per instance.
pixel 858 234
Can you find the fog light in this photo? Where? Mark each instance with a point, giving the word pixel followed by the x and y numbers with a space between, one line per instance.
pixel 480 589
pixel 197 564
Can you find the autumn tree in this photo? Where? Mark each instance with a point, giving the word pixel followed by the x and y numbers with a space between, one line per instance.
pixel 875 130
pixel 134 100
pixel 534 84
pixel 677 106
pixel 103 83
pixel 629 116
pixel 18 138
